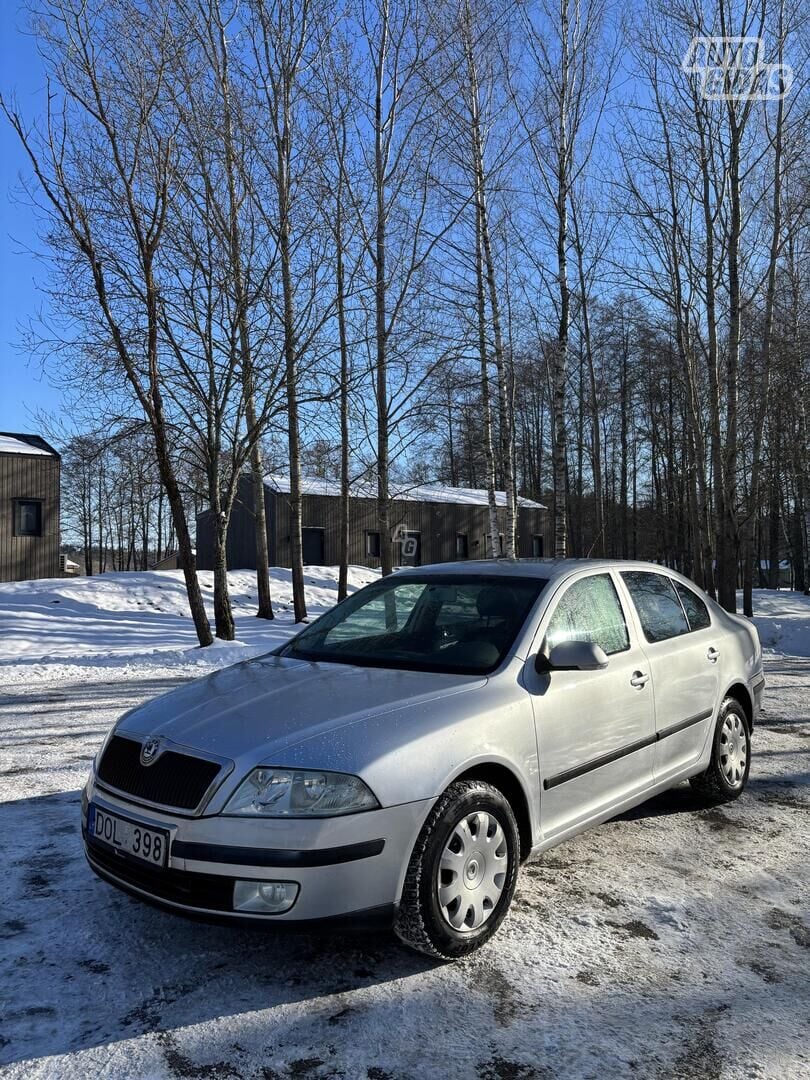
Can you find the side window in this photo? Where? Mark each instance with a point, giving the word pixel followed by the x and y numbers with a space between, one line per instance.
pixel 590 611
pixel 657 604
pixel 696 611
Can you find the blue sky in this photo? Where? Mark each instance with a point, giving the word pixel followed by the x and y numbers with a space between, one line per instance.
pixel 22 386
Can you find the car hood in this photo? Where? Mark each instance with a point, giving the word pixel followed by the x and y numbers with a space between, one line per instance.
pixel 257 708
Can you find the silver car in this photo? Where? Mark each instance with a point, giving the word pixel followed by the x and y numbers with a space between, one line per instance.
pixel 400 757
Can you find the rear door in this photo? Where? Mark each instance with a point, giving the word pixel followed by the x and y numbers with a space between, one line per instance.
pixel 682 648
pixel 595 729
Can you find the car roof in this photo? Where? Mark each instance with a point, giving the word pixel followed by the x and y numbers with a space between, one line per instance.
pixel 547 569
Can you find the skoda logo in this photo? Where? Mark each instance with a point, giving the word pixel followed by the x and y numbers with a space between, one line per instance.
pixel 150 751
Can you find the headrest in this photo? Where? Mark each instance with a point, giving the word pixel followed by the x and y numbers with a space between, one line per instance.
pixel 495 601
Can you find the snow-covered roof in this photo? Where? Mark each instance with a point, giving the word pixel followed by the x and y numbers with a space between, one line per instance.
pixel 24 444
pixel 430 493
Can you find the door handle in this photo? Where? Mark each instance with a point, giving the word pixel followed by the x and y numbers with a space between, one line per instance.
pixel 639 679
pixel 712 654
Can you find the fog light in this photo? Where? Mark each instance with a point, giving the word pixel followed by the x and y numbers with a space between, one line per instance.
pixel 265 897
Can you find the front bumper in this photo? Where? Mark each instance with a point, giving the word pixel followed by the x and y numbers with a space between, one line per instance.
pixel 351 866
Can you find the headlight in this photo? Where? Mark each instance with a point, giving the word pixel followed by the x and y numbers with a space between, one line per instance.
pixel 300 793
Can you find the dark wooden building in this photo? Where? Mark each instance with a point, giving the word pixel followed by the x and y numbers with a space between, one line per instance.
pixel 430 523
pixel 29 508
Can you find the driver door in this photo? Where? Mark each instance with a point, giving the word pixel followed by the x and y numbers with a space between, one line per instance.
pixel 595 729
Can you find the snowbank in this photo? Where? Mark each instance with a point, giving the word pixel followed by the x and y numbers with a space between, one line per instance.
pixel 136 620
pixel 782 619
pixel 141 621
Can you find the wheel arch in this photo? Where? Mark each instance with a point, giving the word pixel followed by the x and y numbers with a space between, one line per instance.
pixel 510 785
pixel 741 694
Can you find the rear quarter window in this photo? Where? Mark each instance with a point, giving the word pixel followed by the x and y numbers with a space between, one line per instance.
pixel 696 611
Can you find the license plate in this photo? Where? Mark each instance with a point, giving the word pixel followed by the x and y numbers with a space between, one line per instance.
pixel 150 845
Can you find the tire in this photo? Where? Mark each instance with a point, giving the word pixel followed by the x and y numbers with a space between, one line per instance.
pixel 462 871
pixel 727 774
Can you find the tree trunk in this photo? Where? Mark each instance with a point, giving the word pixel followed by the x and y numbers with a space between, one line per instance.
pixel 484 270
pixel 265 600
pixel 560 445
pixel 763 396
pixel 166 467
pixel 493 531
pixel 343 546
pixel 623 408
pixel 265 606
pixel 223 613
pixel 293 436
pixel 773 534
pixel 185 552
pixel 727 559
pixel 381 313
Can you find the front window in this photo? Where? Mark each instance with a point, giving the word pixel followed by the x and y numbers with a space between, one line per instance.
pixel 589 611
pixel 28 517
pixel 447 623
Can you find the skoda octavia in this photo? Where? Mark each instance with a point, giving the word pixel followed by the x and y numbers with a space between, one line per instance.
pixel 400 757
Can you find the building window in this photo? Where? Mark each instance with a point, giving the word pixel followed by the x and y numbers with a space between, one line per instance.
pixel 500 545
pixel 462 550
pixel 373 544
pixel 537 547
pixel 28 517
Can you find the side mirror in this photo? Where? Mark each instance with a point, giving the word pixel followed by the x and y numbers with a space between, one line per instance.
pixel 573 656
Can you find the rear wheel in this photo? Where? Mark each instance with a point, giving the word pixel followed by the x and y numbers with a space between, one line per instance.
pixel 462 873
pixel 730 763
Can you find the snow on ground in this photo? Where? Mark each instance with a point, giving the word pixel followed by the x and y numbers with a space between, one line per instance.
pixel 782 619
pixel 671 942
pixel 141 622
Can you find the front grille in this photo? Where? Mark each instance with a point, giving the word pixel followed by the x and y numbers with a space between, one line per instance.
pixel 177 886
pixel 177 780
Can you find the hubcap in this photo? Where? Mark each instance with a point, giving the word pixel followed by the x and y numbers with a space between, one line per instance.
pixel 733 749
pixel 472 871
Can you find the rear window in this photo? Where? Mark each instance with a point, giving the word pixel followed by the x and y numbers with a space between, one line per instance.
pixel 696 611
pixel 657 604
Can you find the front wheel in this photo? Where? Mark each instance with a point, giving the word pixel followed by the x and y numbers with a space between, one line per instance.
pixel 462 873
pixel 730 763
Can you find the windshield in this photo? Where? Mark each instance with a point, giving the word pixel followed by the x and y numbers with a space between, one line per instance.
pixel 448 623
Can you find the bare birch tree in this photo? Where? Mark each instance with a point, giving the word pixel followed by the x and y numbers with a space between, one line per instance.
pixel 104 165
pixel 570 78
